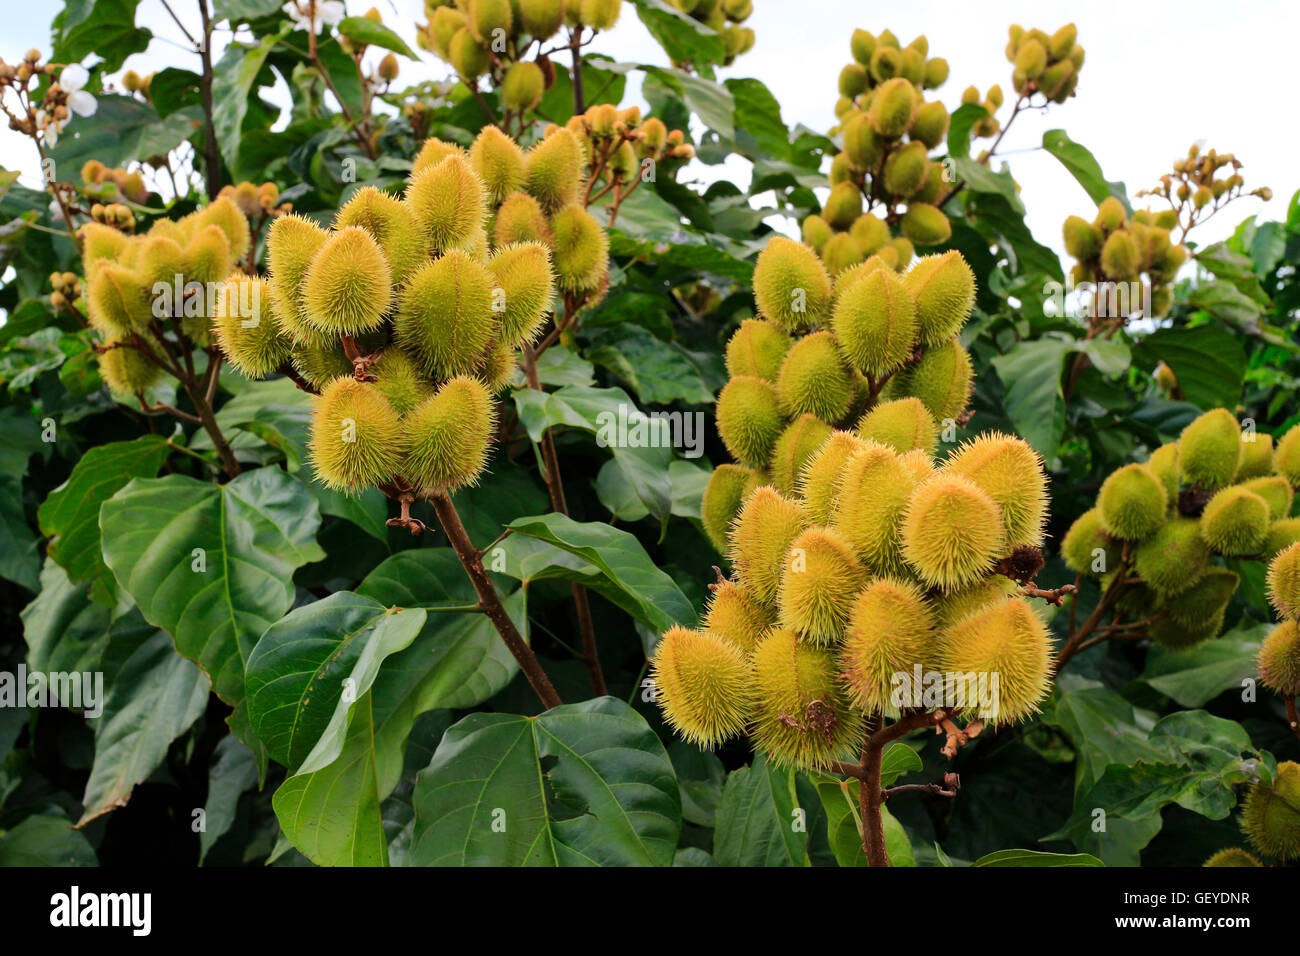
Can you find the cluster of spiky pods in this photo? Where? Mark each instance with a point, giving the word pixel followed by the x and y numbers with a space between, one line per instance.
pixel 1117 248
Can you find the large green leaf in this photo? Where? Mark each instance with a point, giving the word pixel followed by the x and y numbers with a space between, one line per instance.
pixel 64 630
pixel 841 800
pixel 102 27
pixel 1208 361
pixel 582 784
pixel 212 564
pixel 1035 402
pixel 1104 729
pixel 760 821
pixel 20 559
pixel 1083 166
pixel 45 841
pixel 659 372
pixel 1036 858
pixel 363 30
pixel 1196 676
pixel 236 74
pixel 121 129
pixel 234 770
pixel 683 38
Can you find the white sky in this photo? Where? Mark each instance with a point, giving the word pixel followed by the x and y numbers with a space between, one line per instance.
pixel 1159 75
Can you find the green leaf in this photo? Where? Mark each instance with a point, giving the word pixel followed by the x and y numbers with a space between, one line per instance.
pixel 700 778
pixel 235 76
pixel 1084 167
pixel 1104 728
pixel 1034 401
pixel 363 30
pixel 106 28
pixel 20 558
pixel 582 784
pixel 234 770
pixel 759 821
pixel 960 124
pixel 657 371
pixel 156 696
pixel 244 9
pixel 683 38
pixel 63 628
pixel 1036 858
pixel 45 841
pixel 1228 304
pixel 121 130
pixel 70 515
pixel 758 116
pixel 1208 360
pixel 711 101
pixel 212 564
pixel 1196 676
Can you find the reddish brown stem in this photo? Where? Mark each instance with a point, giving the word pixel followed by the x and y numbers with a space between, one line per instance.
pixel 1291 716
pixel 871 796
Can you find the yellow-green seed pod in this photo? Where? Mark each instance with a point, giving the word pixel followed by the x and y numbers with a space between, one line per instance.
pixel 1087 547
pixel 791 287
pixel 814 379
pixel 850 277
pixel 941 380
pixel 918 464
pixel 1286 459
pixel 874 322
pixel 870 232
pixel 819 578
pixel 797 444
pixel 886 63
pixel 1281 535
pixel 1276 492
pixel 126 371
pixel 230 219
pixel 802 715
pixel 736 616
pixel 765 526
pixel 1111 214
pixel 348 285
pixel 541 19
pixel 903 425
pixel 926 225
pixel 161 260
pixel 448 436
pixel 936 73
pixel 952 531
pixel 853 80
pixel 247 327
pixel 1174 558
pixel 400 380
pixel 1132 502
pixel 321 364
pixel 930 125
pixel 520 219
pixel 862 44
pixel 468 57
pixel 819 480
pixel 893 107
pixel 1210 450
pixel 391 224
pixel 722 498
pixel 1031 59
pixel 357 439
pixel 905 169
pixel 444 23
pixel 523 289
pixel 841 253
pixel 816 231
pixel 1235 522
pixel 703 684
pixel 863 146
pixel 1062 41
pixel 291 244
pixel 1007 642
pixel 487 17
pixel 903 251
pixel 1271 813
pixel 1256 456
pixel 1058 81
pixel 749 419
pixel 757 348
pixel 1231 857
pixel 598 14
pixel 953 605
pixel 1164 463
pixel 1120 259
pixel 523 86
pixel 117 300
pixel 555 170
pixel 1010 472
pixel 207 255
pixel 891 630
pixel 497 159
pixel 944 289
pixel 1082 239
pixel 447 200
pixel 432 152
pixel 1197 614
pixel 446 319
pixel 843 205
pixel 872 496
pixel 1284 582
pixel 581 250
pixel 1279 659
pixel 100 243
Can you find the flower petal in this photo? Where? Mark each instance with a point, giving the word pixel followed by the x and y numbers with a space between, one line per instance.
pixel 73 77
pixel 82 103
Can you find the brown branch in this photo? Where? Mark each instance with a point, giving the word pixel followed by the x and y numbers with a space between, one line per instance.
pixel 211 151
pixel 1108 600
pixel 871 797
pixel 951 784
pixel 1054 596
pixel 1292 717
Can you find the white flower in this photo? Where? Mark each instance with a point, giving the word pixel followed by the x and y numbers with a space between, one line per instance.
pixel 327 13
pixel 72 78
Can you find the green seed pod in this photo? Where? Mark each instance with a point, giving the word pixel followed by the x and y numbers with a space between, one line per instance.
pixel 1062 41
pixel 541 19
pixel 599 14
pixel 1031 59
pixel 819 578
pixel 941 379
pixel 523 86
pixel 1256 456
pixel 488 16
pixel 348 285
pixel 757 349
pixel 737 617
pixel 1058 81
pixel 117 300
pixel 497 159
pixel 520 219
pixel 843 205
pixel 862 44
pixel 1279 659
pixel 101 243
pixel 581 250
pixel 161 260
pixel 1281 535
pixel 230 219
pixel 1199 611
pixel 841 253
pixel 291 244
pixel 905 169
pixel 853 80
pixel 722 499
pixel 400 380
pixel 703 685
pixel 873 491
pixel 903 250
pixel 449 434
pixel 523 288
pixel 802 717
pixel 467 56
pixel 1232 857
pixel 850 277
pixel 952 531
pixel 1286 459
pixel 926 225
pixel 1005 641
pixel 1087 547
pixel 448 202
pixel 913 69
pixel 797 444
pixel 247 327
pixel 1174 558
pixel 207 256
pixel 874 322
pixel 126 371
pixel 891 629
pixel 816 231
pixel 1111 214
pixel 863 146
pixel 1276 492
pixel 555 170
pixel 1082 239
pixel 446 319
pixel 434 151
pixel 1210 450
pixel 930 125
pixel 1164 463
pixel 944 289
pixel 819 480
pixel 321 364
pixel 815 379
pixel 953 605
pixel 1132 502
pixel 918 465
pixel 1120 259
pixel 936 73
pixel 498 369
pixel 870 232
pixel 1010 472
pixel 1271 814
pixel 357 439
pixel 765 526
pixel 391 224
pixel 749 419
pixel 791 288
pixel 903 425
pixel 1284 582
pixel 443 25
pixel 893 107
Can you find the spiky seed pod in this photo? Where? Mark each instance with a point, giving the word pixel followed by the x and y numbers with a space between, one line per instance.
pixel 802 714
pixel 703 684
pixel 599 14
pixel 794 448
pixel 1279 659
pixel 930 125
pixel 819 578
pixel 1006 639
pixel 757 348
pixel 843 205
pixel 357 439
pixel 126 371
pixel 722 499
pixel 541 18
pixel 853 80
pixel 874 321
pixel 499 368
pixel 1197 614
pixel 841 253
pixel 1120 258
pixel 749 419
pixel 391 224
pixel 1087 547
pixel 207 255
pixel 447 200
pixel 523 86
pixel 903 425
pixel 893 107
pixel 765 525
pixel 400 380
pixel 1256 456
pixel 815 231
pixel 926 225
pixel 851 277
pixel 448 436
pixel 1231 857
pixel 1276 492
pixel 161 260
pixel 941 380
pixel 1271 813
pixel 523 276
pixel 936 73
pixel 1235 522
pixel 226 216
pixel 321 364
pixel 918 465
pixel 791 287
pixel 486 17
pixel 434 151
pixel 863 146
pixel 903 252
pixel 1286 459
pixel 952 531
pixel 943 287
pixel 819 479
pixel 951 606
pixel 348 285
pixel 1082 239
pixel 1031 59
pixel 905 169
pixel 117 300
pixel 1284 582
pixel 1010 472
pixel 862 44
pixel 102 243
pixel 446 319
pixel 737 617
pixel 870 232
pixel 814 379
pixel 467 56
pixel 890 631
pixel 520 219
pixel 581 250
pixel 886 63
pixel 1281 535
pixel 247 327
pixel 1174 558
pixel 497 159
pixel 873 491
pixel 1164 463
pixel 291 244
pixel 1111 214
pixel 934 186
pixel 554 170
pixel 1132 503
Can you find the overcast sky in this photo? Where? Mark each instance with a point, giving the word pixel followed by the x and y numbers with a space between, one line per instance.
pixel 1159 76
